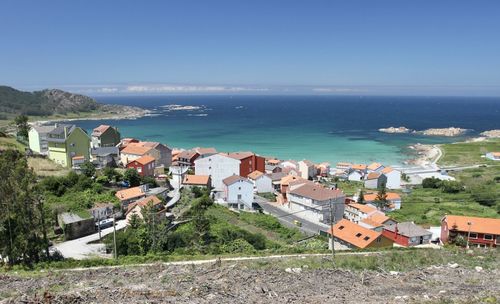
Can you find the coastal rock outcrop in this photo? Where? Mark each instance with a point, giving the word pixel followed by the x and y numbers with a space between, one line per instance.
pixel 449 132
pixel 491 134
pixel 395 130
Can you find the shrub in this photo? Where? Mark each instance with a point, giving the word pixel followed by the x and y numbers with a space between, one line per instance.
pixel 431 182
pixel 451 186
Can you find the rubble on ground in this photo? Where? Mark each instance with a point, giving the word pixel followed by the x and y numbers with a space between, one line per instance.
pixel 247 283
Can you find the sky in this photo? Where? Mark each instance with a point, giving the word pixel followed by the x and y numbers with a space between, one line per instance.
pixel 358 47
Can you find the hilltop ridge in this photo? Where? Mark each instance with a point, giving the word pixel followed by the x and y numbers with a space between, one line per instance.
pixel 55 102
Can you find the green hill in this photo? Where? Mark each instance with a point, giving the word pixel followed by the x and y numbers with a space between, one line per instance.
pixel 43 103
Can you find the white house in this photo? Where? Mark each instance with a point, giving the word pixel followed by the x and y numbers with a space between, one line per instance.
pixel 355 176
pixel 238 192
pixel 262 182
pixel 313 202
pixel 218 167
pixel 375 180
pixel 393 178
pixel 306 169
pixel 356 212
pixel 37 137
pixel 493 155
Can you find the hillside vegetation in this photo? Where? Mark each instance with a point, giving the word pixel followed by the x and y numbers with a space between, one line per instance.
pixel 44 103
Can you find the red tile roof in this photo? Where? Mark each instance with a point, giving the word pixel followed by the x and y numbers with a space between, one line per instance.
pixel 135 149
pixel 240 155
pixel 363 208
pixel 373 175
pixel 317 192
pixel 99 130
pixel 129 193
pixel 233 179
pixel 391 196
pixel 255 174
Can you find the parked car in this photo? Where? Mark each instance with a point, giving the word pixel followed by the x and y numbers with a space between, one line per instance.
pixel 104 224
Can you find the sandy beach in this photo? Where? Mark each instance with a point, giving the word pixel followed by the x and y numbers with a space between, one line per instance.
pixel 427 155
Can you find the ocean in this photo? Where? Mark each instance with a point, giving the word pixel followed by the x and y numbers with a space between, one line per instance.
pixel 318 128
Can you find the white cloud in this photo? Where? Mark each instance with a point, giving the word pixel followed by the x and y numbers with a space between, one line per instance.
pixel 189 89
pixel 335 90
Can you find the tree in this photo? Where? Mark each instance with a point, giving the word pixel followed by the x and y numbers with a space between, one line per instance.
pixel 151 181
pixel 22 126
pixel 201 222
pixel 381 199
pixel 132 177
pixel 361 197
pixel 111 174
pixel 88 169
pixel 23 235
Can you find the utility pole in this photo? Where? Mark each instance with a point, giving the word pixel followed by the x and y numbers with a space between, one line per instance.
pixel 331 229
pixel 99 224
pixel 468 234
pixel 114 237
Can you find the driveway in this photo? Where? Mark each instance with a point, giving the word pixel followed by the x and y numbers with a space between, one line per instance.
pixel 80 249
pixel 287 219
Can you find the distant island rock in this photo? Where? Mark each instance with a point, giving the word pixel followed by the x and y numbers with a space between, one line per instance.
pixel 491 134
pixel 62 104
pixel 395 130
pixel 449 132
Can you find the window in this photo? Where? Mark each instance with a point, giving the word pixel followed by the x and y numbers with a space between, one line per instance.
pixel 473 236
pixel 72 144
pixel 341 227
pixel 379 239
pixel 358 234
pixel 366 238
pixel 239 188
pixel 239 196
pixel 209 168
pixel 488 237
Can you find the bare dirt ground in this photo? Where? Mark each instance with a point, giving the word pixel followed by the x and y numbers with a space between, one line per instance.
pixel 247 282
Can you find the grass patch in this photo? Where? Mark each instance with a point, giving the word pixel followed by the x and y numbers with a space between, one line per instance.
pixel 11 143
pixel 468 153
pixel 428 206
pixel 45 167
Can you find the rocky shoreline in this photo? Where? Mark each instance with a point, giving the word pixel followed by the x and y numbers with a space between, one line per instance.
pixel 107 111
pixel 447 132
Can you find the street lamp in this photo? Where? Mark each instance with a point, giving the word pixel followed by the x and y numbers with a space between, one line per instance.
pixel 468 234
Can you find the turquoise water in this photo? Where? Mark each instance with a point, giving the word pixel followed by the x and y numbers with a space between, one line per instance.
pixel 319 128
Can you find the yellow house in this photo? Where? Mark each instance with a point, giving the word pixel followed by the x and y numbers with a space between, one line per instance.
pixel 66 142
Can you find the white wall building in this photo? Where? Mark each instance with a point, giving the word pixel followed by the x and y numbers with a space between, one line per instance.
pixel 306 169
pixel 355 176
pixel 238 192
pixel 218 167
pixel 262 183
pixel 37 137
pixel 312 202
pixel 393 178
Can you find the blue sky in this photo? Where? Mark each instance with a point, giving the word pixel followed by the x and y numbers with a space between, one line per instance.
pixel 324 47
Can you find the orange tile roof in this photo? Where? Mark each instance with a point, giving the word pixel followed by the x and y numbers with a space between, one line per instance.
pixel 370 197
pixel 478 224
pixel 363 208
pixel 341 164
pixel 289 178
pixel 371 222
pixel 144 160
pixel 78 157
pixel 255 174
pixel 144 202
pixel 374 166
pixel 373 175
pixel 378 217
pixel 203 151
pixel 129 193
pixel 495 154
pixel 354 234
pixel 135 149
pixel 196 180
pixel 273 161
pixel 387 170
pixel 358 167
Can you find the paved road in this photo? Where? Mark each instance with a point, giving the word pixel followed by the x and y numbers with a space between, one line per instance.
pixel 80 249
pixel 287 219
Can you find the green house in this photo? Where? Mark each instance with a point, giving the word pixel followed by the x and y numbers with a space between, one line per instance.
pixel 68 144
pixel 105 136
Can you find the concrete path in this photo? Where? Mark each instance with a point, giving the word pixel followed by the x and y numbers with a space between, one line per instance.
pixel 80 249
